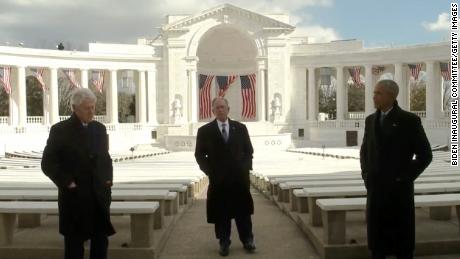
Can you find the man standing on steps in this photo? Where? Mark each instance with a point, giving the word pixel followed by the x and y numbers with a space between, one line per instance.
pixel 394 152
pixel 224 153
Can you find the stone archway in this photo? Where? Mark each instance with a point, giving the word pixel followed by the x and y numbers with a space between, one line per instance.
pixel 225 50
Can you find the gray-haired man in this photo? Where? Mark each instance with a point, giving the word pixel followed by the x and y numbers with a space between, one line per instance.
pixel 77 160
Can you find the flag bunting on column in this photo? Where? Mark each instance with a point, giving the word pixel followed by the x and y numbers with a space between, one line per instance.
pixel 355 73
pixel 70 74
pixel 223 83
pixel 445 70
pixel 38 74
pixel 377 70
pixel 415 70
pixel 98 80
pixel 5 73
pixel 248 94
pixel 204 86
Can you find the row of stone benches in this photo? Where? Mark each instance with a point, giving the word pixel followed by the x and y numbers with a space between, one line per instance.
pixel 320 203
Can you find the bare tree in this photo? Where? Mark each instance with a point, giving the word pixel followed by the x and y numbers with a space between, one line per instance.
pixel 4 103
pixel 34 95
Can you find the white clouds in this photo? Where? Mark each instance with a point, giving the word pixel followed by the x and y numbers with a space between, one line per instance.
pixel 442 24
pixel 124 21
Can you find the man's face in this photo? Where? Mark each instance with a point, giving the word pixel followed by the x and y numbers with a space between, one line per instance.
pixel 220 110
pixel 383 99
pixel 85 111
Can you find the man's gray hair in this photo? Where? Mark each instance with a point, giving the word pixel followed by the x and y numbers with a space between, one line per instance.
pixel 80 95
pixel 390 85
pixel 218 98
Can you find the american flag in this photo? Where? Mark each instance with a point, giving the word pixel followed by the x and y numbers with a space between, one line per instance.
pixel 223 83
pixel 355 73
pixel 70 74
pixel 248 94
pixel 376 70
pixel 205 83
pixel 38 74
pixel 98 80
pixel 445 70
pixel 5 79
pixel 415 70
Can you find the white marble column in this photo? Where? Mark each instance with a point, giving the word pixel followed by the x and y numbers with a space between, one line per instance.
pixel 401 80
pixel 13 119
pixel 300 94
pixel 53 96
pixel 46 98
pixel 141 99
pixel 112 99
pixel 340 94
pixel 433 91
pixel 84 78
pixel 192 94
pixel 22 96
pixel 312 95
pixel 152 96
pixel 368 90
pixel 261 98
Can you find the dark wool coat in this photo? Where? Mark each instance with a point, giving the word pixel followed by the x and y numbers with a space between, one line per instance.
pixel 74 153
pixel 389 171
pixel 227 165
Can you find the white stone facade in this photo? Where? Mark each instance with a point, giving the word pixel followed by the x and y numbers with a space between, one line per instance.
pixel 225 40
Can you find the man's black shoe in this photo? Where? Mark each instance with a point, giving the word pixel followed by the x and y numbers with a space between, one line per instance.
pixel 249 246
pixel 224 250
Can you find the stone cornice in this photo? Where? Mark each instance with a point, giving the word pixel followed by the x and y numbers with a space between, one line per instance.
pixel 406 54
pixel 226 10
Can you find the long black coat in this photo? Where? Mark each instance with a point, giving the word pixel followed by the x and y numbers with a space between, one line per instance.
pixel 227 166
pixel 389 171
pixel 74 153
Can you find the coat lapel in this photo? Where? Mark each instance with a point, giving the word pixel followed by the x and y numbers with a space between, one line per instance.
pixel 80 133
pixel 376 131
pixel 231 130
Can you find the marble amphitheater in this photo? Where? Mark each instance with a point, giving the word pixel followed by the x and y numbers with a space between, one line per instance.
pixel 304 155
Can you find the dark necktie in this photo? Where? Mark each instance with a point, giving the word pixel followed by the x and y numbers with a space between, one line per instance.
pixel 224 132
pixel 382 117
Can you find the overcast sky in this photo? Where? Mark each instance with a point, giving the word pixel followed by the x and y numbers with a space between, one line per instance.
pixel 44 23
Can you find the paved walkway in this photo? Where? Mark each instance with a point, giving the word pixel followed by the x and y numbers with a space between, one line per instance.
pixel 276 235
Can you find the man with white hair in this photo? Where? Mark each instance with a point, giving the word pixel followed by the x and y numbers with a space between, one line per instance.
pixel 77 160
pixel 394 152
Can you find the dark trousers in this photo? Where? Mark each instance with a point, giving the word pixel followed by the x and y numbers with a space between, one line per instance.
pixel 223 229
pixel 74 248
pixel 407 255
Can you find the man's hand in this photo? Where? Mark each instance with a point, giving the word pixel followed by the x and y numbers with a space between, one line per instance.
pixel 108 183
pixel 72 185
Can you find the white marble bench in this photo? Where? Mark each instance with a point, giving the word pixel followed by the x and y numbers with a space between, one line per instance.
pixel 286 193
pixel 171 207
pixel 306 198
pixel 333 212
pixel 33 220
pixel 141 214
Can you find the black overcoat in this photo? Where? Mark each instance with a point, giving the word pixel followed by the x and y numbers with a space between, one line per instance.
pixel 79 154
pixel 227 166
pixel 392 157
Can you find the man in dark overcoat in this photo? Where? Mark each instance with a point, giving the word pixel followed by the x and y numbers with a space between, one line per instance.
pixel 394 152
pixel 224 153
pixel 77 160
